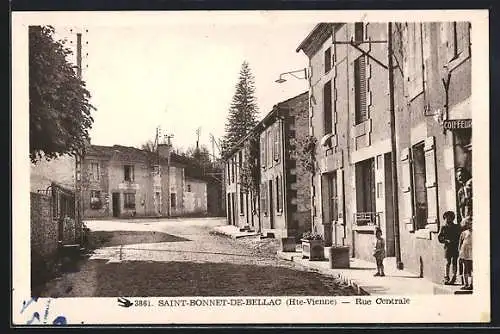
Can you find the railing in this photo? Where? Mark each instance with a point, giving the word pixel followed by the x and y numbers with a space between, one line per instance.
pixel 367 218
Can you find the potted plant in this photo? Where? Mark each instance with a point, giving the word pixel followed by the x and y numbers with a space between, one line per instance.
pixel 313 246
pixel 95 203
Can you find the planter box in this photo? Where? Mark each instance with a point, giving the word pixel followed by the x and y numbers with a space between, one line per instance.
pixel 288 244
pixel 339 257
pixel 313 249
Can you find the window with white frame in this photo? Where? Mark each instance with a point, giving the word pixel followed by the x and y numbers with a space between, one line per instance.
pixel 94 171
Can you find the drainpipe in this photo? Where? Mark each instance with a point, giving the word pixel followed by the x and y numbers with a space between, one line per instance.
pixel 395 188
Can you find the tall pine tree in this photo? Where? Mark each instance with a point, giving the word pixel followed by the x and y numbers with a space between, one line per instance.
pixel 243 110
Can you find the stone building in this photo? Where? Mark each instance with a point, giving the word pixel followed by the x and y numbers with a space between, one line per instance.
pixel 282 205
pixel 433 131
pixel 120 181
pixel 350 116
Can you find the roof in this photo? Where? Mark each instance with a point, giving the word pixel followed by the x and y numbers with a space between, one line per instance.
pixel 129 153
pixel 262 124
pixel 320 33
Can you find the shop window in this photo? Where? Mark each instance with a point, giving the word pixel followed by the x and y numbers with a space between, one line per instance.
pixel 129 201
pixel 128 173
pixel 419 188
pixel 327 108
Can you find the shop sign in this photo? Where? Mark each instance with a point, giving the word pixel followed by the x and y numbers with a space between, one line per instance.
pixel 456 124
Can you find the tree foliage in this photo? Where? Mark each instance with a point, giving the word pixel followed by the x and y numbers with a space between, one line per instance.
pixel 60 111
pixel 148 146
pixel 243 110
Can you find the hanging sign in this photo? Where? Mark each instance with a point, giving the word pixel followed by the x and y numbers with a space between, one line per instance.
pixel 456 124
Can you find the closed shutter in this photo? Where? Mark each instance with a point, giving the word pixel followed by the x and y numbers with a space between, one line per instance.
pixel 463 46
pixel 278 134
pixel 418 60
pixel 450 33
pixel 406 196
pixel 270 147
pixel 263 151
pixel 325 199
pixel 340 194
pixel 276 147
pixel 431 184
pixel 362 89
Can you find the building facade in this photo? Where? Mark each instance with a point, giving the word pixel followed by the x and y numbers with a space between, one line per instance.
pixel 350 117
pixel 281 205
pixel 434 131
pixel 120 181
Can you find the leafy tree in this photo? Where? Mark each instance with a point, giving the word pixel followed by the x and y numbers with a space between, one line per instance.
pixel 148 146
pixel 243 110
pixel 60 111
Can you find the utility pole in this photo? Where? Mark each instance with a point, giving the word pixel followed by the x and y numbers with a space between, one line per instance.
pixel 198 131
pixel 394 169
pixel 169 147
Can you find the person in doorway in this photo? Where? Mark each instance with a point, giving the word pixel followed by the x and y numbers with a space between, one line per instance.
pixel 465 253
pixel 449 235
pixel 379 252
pixel 464 180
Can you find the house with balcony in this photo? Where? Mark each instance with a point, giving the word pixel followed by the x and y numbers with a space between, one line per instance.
pixel 350 116
pixel 281 206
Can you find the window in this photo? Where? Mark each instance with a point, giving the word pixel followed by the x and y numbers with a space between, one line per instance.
pixel 240 159
pixel 94 171
pixel 365 192
pixel 129 200
pixel 328 60
pixel 277 142
pixel 333 197
pixel 361 114
pixel 279 194
pixel 173 200
pixel 188 188
pixel 419 188
pixel 232 169
pixel 95 199
pixel 327 108
pixel 263 150
pixel 242 203
pixel 128 173
pixel 270 148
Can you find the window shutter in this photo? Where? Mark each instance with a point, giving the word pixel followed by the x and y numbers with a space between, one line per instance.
pixel 463 38
pixel 406 198
pixel 418 59
pixel 362 88
pixel 450 40
pixel 431 184
pixel 325 200
pixel 263 151
pixel 276 149
pixel 340 195
pixel 279 139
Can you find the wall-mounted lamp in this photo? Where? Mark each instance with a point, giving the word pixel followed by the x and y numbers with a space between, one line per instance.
pixel 294 74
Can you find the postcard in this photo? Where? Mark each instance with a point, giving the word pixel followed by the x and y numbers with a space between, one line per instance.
pixel 257 167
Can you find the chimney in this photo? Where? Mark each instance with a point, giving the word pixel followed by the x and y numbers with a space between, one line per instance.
pixel 164 150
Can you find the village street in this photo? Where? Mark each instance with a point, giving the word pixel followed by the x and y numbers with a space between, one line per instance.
pixel 183 257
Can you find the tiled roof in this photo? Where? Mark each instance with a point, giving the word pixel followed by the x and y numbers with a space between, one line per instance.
pixel 128 153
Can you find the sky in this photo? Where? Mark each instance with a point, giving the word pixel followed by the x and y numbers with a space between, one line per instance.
pixel 182 76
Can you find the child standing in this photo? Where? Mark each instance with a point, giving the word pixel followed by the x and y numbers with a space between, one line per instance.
pixel 465 253
pixel 448 236
pixel 379 252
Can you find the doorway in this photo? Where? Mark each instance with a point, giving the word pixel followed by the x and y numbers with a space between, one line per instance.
pixel 271 209
pixel 116 204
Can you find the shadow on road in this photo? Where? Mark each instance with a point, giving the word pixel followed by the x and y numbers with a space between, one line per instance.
pixel 99 239
pixel 169 279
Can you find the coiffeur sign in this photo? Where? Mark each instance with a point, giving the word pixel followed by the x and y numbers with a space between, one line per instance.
pixel 457 124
